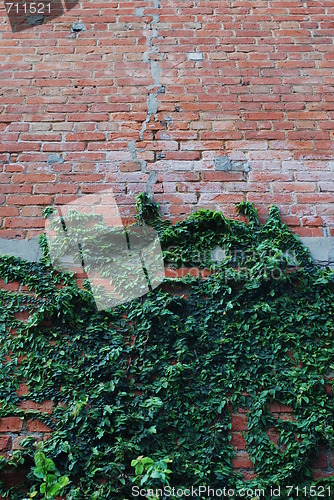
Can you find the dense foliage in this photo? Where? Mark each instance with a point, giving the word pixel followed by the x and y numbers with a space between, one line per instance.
pixel 157 377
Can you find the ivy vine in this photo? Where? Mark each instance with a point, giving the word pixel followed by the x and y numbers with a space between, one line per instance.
pixel 158 377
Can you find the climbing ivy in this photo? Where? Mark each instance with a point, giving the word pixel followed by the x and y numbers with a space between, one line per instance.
pixel 52 484
pixel 158 377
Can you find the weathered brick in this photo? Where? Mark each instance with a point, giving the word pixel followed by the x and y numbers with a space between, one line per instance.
pixel 10 424
pixel 18 439
pixel 23 389
pixel 280 408
pixel 239 422
pixel 29 200
pixel 242 461
pixel 37 426
pixel 5 443
pixel 223 176
pixel 32 178
pixel 24 222
pixel 321 461
pixel 45 406
pixel 238 441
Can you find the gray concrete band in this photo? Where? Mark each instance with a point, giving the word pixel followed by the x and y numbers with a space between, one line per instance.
pixel 321 249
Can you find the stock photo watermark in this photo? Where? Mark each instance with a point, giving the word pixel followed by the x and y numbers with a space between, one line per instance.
pixel 26 14
pixel 234 264
pixel 121 263
pixel 248 493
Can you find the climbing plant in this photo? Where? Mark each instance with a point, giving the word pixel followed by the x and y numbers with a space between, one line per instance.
pixel 158 377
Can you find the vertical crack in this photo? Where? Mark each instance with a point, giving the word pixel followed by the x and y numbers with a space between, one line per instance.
pixel 152 102
pixel 150 57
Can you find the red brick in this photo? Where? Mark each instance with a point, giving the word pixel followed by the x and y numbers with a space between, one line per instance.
pixel 242 461
pixel 45 406
pixel 37 426
pixel 239 422
pixel 80 177
pixel 24 222
pixel 14 286
pixel 10 424
pixel 273 435
pixel 330 455
pixel 15 188
pixel 56 188
pixel 18 439
pixel 33 178
pixel 223 176
pixel 8 211
pixel 29 200
pixel 5 443
pixel 130 166
pixel 317 474
pixel 287 416
pixel 329 389
pixel 181 272
pixel 309 231
pixel 321 461
pixel 14 167
pixel 23 389
pixel 22 315
pixel 312 221
pixel 280 408
pixel 171 273
pixel 303 187
pixel 238 441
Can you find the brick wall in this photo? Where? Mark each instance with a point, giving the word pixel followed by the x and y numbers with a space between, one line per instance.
pixel 201 103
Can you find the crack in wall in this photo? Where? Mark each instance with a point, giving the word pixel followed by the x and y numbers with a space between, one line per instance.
pixel 152 101
pixel 150 57
pixel 133 151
